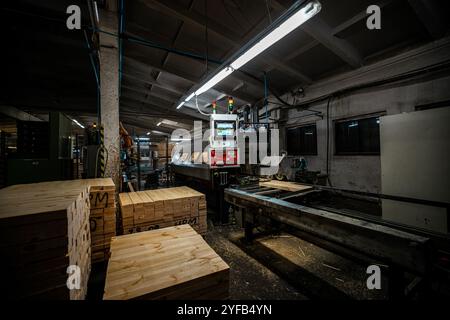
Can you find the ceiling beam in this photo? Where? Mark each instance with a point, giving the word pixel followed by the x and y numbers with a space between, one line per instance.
pixel 148 93
pixel 131 109
pixel 338 29
pixel 143 124
pixel 323 33
pixel 137 61
pixel 431 16
pixel 238 75
pixel 17 114
pixel 156 106
pixel 147 67
pixel 144 79
pixel 362 15
pixel 234 39
pixel 131 106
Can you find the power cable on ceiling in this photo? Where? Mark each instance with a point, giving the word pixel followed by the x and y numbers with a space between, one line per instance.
pixel 198 108
pixel 268 11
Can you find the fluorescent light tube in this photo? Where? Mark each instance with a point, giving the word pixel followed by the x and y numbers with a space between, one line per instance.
pixel 169 122
pixel 214 80
pixel 96 12
pixel 159 124
pixel 190 97
pixel 292 23
pixel 78 124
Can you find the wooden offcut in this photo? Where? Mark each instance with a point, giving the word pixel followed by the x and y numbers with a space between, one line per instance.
pixel 285 186
pixel 168 264
pixel 156 209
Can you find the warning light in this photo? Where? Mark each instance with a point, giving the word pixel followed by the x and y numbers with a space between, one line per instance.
pixel 230 104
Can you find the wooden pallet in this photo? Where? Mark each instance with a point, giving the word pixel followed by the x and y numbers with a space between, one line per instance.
pixel 285 185
pixel 171 263
pixel 44 228
pixel 102 194
pixel 156 209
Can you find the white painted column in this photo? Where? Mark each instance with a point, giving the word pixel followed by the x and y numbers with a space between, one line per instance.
pixel 109 87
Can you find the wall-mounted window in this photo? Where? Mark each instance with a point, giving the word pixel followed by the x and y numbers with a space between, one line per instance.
pixel 302 141
pixel 358 137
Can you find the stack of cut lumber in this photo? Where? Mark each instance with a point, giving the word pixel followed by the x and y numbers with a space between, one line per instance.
pixel 156 209
pixel 44 229
pixel 168 264
pixel 102 216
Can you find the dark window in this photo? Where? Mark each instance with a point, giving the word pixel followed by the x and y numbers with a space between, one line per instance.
pixel 302 141
pixel 360 136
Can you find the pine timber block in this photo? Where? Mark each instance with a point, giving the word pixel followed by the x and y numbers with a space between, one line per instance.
pixel 171 263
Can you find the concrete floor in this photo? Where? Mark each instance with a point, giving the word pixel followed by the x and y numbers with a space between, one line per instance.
pixel 280 267
pixel 285 267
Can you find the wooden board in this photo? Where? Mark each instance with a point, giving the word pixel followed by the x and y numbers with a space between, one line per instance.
pixel 170 263
pixel 285 185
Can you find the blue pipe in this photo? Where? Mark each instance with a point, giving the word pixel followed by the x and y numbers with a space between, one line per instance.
pixel 150 44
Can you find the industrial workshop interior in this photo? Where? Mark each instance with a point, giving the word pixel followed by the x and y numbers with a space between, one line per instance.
pixel 225 150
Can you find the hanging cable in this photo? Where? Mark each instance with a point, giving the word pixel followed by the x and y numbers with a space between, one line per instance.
pixel 268 11
pixel 198 108
pixel 266 97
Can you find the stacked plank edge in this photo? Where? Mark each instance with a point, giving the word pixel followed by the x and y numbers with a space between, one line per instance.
pixel 162 208
pixel 169 264
pixel 44 228
pixel 102 217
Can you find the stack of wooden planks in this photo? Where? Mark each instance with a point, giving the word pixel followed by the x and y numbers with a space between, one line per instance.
pixel 44 229
pixel 102 216
pixel 168 264
pixel 156 209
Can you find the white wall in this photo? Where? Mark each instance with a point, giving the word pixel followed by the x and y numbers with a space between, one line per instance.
pixel 362 173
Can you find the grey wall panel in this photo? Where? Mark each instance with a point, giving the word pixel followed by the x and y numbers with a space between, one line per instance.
pixel 415 163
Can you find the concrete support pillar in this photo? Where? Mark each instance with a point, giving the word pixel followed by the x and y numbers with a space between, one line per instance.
pixel 109 86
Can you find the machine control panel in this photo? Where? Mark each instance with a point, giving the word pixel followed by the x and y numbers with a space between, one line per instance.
pixel 224 151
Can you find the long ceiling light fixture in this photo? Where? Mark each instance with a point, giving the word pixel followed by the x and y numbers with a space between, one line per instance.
pixel 300 12
pixel 78 123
